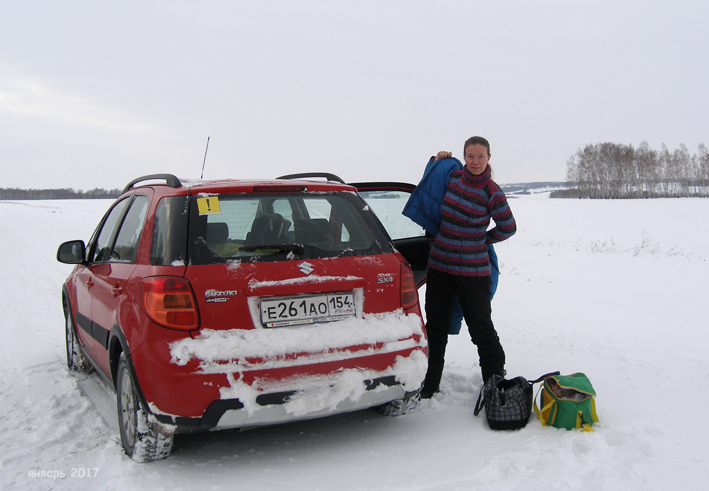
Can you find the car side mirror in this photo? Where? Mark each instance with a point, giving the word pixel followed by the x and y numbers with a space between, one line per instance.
pixel 72 252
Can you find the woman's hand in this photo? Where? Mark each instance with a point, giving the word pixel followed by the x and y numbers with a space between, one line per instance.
pixel 443 155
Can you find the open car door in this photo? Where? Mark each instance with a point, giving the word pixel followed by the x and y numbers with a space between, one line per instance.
pixel 388 199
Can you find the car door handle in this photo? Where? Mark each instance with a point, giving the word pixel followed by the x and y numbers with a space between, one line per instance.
pixel 90 283
pixel 117 290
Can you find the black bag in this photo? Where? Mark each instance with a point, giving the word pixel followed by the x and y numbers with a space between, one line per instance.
pixel 508 403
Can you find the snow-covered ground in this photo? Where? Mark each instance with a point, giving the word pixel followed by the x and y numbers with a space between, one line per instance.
pixel 614 289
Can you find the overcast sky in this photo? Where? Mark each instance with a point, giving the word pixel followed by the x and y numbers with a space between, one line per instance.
pixel 94 94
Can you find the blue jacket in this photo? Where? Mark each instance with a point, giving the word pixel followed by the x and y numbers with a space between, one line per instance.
pixel 424 208
pixel 424 205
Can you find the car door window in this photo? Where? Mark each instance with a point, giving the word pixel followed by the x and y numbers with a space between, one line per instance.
pixel 125 249
pixel 169 240
pixel 388 205
pixel 101 252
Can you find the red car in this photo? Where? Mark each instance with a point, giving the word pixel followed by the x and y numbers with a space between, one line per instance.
pixel 229 304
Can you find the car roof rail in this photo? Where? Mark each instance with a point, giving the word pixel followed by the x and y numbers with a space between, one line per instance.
pixel 306 175
pixel 170 180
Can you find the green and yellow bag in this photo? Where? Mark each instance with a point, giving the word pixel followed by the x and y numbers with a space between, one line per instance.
pixel 567 401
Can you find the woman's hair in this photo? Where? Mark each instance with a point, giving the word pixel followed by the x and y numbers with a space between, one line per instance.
pixel 477 140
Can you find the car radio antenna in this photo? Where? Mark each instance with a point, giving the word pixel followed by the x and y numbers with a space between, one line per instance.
pixel 205 159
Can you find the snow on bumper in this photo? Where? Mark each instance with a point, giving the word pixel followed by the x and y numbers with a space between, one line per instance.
pixel 326 368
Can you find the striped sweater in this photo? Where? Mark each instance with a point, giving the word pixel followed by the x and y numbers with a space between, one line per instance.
pixel 460 247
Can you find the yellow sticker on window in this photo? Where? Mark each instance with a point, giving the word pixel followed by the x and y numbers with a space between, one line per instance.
pixel 209 205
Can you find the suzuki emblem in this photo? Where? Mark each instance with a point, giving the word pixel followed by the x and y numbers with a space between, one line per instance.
pixel 306 268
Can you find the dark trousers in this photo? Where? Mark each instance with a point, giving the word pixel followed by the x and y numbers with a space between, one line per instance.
pixel 474 295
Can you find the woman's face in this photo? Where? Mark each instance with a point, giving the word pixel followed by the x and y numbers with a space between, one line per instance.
pixel 476 158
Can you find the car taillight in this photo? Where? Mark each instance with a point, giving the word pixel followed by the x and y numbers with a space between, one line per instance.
pixel 409 292
pixel 169 301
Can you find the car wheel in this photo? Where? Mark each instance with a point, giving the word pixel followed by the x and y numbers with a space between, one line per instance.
pixel 75 359
pixel 140 438
pixel 399 407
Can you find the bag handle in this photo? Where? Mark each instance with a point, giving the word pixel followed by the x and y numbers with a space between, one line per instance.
pixel 582 424
pixel 479 405
pixel 540 412
pixel 544 376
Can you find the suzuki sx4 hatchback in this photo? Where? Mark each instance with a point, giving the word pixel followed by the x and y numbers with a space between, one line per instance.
pixel 228 304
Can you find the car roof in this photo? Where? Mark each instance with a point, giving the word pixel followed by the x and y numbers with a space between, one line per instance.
pixel 176 186
pixel 252 186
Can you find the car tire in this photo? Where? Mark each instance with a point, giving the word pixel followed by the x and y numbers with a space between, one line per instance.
pixel 75 359
pixel 141 439
pixel 399 407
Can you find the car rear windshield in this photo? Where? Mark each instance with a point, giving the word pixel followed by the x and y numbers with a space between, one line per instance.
pixel 272 227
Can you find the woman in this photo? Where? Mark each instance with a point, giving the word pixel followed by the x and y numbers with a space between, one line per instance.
pixel 459 263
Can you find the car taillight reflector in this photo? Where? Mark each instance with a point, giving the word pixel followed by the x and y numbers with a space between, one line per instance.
pixel 409 292
pixel 169 301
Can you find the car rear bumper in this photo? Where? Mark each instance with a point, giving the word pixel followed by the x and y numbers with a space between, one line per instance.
pixel 273 408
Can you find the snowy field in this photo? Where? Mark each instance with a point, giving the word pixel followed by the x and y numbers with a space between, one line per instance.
pixel 614 289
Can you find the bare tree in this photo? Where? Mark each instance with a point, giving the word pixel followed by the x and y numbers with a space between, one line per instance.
pixel 612 170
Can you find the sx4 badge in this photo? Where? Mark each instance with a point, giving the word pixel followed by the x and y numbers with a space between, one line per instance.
pixel 383 279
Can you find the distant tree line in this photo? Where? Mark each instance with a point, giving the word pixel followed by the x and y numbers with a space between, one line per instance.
pixel 528 187
pixel 26 194
pixel 612 171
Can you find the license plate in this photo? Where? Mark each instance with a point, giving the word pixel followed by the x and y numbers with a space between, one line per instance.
pixel 307 310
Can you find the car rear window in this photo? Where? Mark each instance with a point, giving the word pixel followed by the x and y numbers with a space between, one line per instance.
pixel 258 227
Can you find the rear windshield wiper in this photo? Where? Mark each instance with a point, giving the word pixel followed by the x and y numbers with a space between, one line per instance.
pixel 295 248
